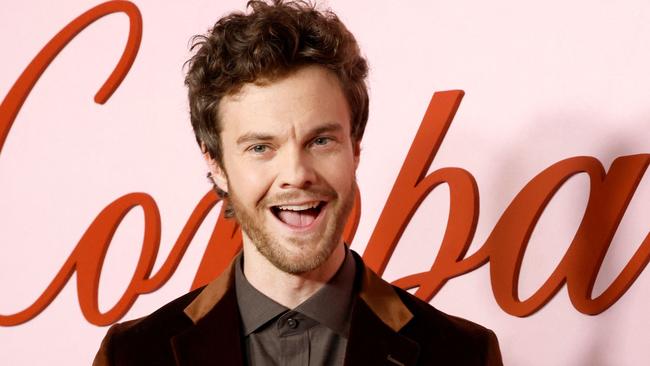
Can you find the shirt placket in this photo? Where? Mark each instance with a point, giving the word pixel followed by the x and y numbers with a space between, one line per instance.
pixel 294 338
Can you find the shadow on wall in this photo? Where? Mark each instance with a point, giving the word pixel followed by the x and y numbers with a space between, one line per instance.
pixel 563 129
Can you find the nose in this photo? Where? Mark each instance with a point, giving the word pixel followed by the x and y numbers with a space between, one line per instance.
pixel 296 170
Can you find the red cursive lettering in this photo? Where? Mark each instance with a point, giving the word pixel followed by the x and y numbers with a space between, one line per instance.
pixel 610 194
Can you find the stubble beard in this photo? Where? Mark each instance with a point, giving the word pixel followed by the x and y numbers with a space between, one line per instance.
pixel 317 247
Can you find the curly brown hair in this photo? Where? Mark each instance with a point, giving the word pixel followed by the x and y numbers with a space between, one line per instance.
pixel 270 42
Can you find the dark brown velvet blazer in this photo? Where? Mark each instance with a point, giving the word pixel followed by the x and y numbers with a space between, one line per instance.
pixel 389 326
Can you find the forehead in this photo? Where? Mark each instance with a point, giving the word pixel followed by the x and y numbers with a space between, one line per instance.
pixel 310 96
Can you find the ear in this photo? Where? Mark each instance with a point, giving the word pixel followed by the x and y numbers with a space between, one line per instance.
pixel 219 175
pixel 356 150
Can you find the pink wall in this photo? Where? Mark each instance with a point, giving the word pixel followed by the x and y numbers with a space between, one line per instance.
pixel 543 83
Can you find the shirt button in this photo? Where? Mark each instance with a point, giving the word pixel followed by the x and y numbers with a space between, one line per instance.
pixel 292 323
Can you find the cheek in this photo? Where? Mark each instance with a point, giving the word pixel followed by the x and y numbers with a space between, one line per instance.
pixel 250 183
pixel 339 175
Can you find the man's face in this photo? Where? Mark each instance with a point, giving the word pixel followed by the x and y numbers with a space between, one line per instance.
pixel 289 166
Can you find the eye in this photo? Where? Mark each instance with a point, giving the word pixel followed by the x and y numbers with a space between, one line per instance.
pixel 320 141
pixel 258 149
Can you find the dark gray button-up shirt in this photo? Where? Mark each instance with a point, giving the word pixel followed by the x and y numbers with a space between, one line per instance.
pixel 314 333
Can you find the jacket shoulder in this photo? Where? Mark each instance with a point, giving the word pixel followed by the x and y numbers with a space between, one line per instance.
pixel 440 334
pixel 145 340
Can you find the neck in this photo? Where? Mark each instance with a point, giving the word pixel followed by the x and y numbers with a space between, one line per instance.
pixel 287 289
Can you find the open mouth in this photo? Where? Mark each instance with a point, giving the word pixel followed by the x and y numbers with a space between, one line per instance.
pixel 298 216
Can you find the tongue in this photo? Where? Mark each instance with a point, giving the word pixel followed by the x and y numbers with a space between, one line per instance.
pixel 297 218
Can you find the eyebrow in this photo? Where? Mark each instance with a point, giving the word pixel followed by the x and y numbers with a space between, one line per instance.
pixel 254 136
pixel 328 127
pixel 261 137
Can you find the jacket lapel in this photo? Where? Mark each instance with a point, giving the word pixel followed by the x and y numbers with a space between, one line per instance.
pixel 378 314
pixel 214 339
pixel 371 342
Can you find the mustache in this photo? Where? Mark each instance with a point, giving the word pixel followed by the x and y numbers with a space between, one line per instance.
pixel 310 194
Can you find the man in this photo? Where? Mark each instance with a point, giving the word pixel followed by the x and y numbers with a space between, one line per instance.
pixel 278 102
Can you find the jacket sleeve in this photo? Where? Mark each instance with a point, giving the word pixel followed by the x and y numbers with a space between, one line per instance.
pixel 104 356
pixel 493 353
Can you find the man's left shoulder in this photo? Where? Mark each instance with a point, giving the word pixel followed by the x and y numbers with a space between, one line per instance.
pixel 439 334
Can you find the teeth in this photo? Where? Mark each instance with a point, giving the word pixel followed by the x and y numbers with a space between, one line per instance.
pixel 302 207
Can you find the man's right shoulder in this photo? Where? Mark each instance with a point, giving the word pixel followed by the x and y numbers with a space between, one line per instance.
pixel 146 340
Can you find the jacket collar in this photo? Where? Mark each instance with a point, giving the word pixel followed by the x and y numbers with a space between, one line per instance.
pixel 379 295
pixel 382 300
pixel 378 315
pixel 212 294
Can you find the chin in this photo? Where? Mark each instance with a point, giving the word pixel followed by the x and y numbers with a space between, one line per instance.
pixel 297 259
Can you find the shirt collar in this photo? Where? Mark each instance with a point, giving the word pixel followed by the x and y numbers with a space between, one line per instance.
pixel 255 308
pixel 376 293
pixel 330 305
